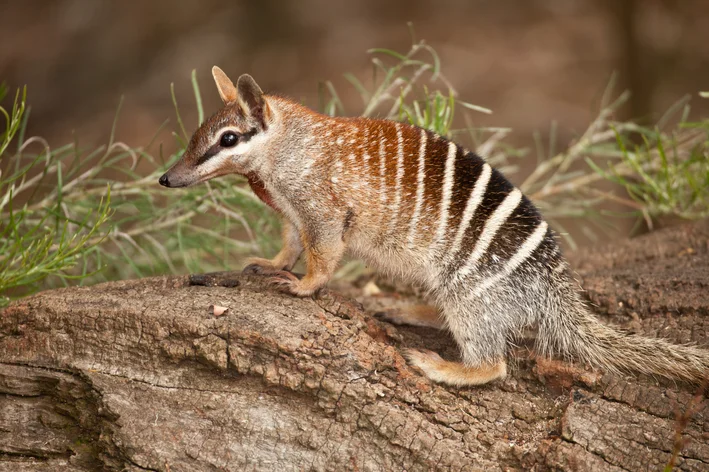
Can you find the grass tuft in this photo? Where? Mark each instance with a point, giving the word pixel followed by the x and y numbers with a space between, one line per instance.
pixel 37 241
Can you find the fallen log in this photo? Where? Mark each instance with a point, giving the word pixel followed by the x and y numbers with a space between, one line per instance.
pixel 141 375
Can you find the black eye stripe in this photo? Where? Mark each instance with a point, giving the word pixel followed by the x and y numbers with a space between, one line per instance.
pixel 211 152
pixel 248 135
pixel 214 150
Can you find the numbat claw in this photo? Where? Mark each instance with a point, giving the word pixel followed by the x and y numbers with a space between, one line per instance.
pixel 284 281
pixel 253 269
pixel 282 277
pixel 291 285
pixel 259 266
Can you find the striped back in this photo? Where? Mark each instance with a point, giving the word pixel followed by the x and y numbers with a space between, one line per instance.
pixel 441 200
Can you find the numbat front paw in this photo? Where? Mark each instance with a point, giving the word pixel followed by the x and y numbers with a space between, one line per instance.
pixel 288 283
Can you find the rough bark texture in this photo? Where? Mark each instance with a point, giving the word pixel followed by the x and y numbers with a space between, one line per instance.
pixel 139 375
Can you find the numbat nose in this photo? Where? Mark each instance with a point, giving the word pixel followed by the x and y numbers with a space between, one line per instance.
pixel 164 181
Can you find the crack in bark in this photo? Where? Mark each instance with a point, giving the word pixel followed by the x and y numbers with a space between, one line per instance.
pixel 135 464
pixel 33 455
pixel 596 454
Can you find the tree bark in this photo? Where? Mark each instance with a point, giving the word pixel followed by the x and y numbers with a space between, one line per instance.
pixel 140 375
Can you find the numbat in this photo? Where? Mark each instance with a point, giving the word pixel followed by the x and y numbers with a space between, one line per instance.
pixel 419 207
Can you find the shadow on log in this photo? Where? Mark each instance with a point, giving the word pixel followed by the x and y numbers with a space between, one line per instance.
pixel 140 375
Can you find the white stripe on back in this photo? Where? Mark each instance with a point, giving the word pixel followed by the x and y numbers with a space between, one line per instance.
pixel 492 225
pixel 420 186
pixel 448 177
pixel 382 170
pixel 524 251
pixel 399 177
pixel 365 156
pixel 476 197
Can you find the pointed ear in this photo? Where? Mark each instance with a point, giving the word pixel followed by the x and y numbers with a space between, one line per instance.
pixel 250 95
pixel 225 87
pixel 252 100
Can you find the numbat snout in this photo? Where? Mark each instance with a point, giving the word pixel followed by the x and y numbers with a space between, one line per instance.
pixel 419 207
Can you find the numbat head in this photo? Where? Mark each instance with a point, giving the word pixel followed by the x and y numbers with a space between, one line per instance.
pixel 230 141
pixel 417 206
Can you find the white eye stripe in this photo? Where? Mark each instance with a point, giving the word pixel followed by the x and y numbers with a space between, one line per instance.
pixel 213 163
pixel 216 160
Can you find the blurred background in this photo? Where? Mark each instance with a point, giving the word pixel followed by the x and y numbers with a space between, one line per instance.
pixel 530 61
pixel 541 66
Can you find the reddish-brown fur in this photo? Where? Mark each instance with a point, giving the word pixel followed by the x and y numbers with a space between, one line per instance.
pixel 259 189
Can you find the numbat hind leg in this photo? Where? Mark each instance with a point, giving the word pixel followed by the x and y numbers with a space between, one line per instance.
pixel 454 373
pixel 414 315
pixel 482 344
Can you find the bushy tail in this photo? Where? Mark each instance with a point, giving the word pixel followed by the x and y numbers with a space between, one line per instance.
pixel 580 335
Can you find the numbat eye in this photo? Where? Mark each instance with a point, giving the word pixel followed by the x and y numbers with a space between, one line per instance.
pixel 228 139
